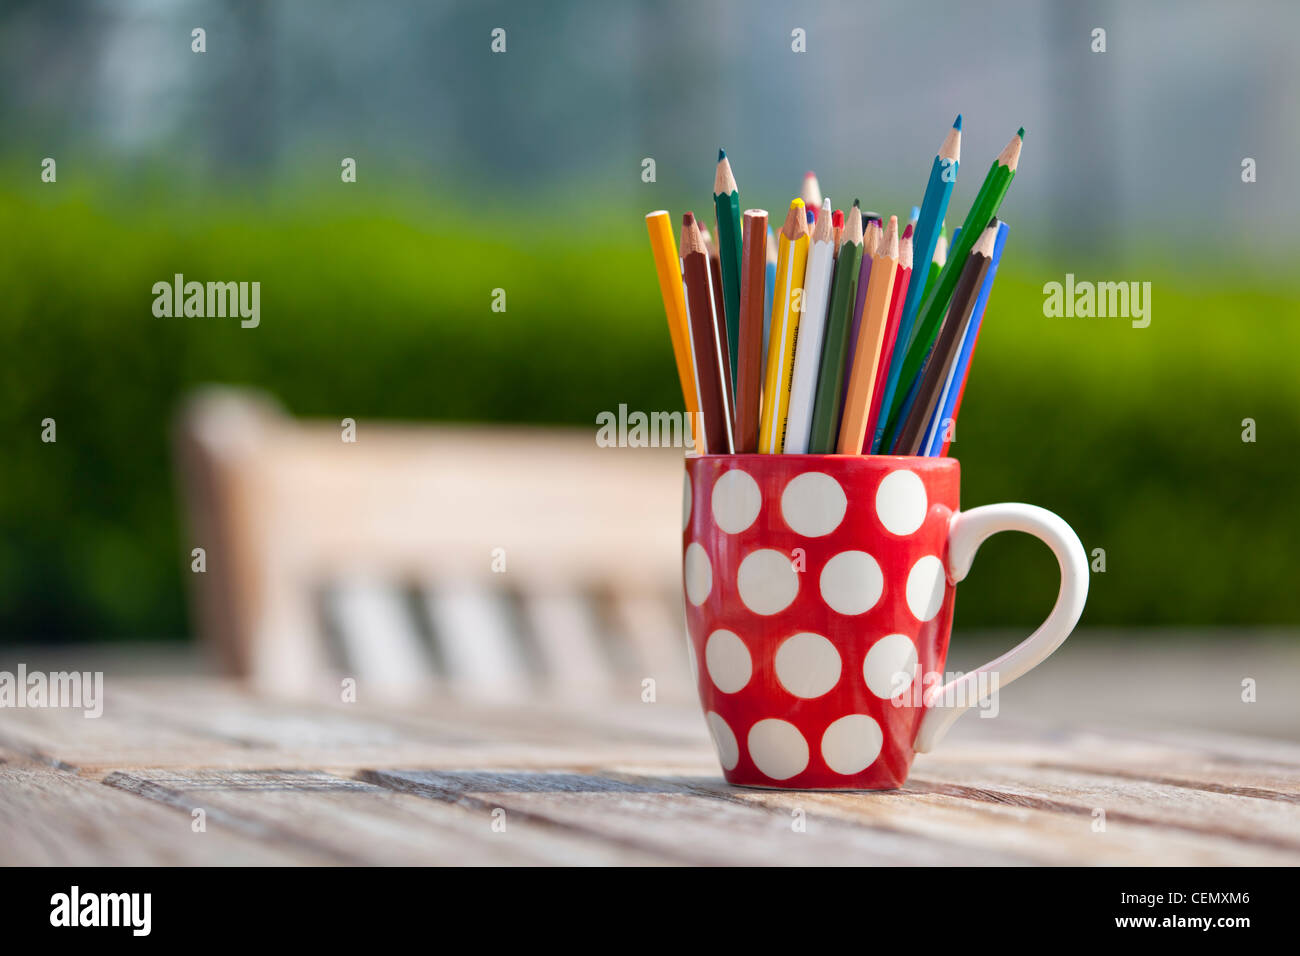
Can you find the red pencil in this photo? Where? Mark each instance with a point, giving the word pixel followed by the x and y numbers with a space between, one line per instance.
pixel 891 333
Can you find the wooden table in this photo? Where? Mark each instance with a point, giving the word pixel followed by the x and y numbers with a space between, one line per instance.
pixel 1102 757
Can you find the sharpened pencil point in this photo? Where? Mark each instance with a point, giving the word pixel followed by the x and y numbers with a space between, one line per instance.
pixel 1021 132
pixel 856 204
pixel 722 154
pixel 957 122
pixel 688 219
pixel 907 233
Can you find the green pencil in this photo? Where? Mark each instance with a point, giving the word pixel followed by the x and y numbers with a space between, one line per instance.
pixel 830 377
pixel 936 264
pixel 726 204
pixel 935 306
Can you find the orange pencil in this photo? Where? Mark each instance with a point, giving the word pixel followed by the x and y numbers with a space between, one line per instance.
pixel 901 280
pixel 880 288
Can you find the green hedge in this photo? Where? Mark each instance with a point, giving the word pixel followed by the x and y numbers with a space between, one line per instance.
pixel 378 309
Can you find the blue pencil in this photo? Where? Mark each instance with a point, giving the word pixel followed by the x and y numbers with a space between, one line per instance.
pixel 946 409
pixel 770 281
pixel 906 407
pixel 938 191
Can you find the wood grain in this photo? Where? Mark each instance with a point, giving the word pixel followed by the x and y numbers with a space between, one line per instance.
pixel 603 780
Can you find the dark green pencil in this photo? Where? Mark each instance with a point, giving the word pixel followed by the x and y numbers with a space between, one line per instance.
pixel 830 377
pixel 726 205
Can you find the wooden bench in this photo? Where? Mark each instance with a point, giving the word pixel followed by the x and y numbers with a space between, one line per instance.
pixel 494 561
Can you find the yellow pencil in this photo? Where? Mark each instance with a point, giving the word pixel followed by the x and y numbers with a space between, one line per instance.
pixel 787 303
pixel 862 377
pixel 664 248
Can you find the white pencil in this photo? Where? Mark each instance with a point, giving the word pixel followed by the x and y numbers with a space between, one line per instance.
pixel 812 329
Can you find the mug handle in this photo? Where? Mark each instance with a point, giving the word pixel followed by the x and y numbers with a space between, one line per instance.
pixel 967 530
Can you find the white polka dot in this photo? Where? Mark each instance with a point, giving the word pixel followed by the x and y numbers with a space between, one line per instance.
pixel 852 582
pixel 686 501
pixel 808 665
pixel 724 740
pixel 736 500
pixel 777 748
pixel 901 502
pixel 813 504
pixel 890 665
pixel 699 574
pixel 767 581
pixel 728 661
pixel 852 744
pixel 925 587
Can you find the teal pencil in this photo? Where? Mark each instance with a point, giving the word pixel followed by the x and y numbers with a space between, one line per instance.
pixel 943 176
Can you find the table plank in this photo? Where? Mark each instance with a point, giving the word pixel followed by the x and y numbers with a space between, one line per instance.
pixel 54 818
pixel 700 824
pixel 341 820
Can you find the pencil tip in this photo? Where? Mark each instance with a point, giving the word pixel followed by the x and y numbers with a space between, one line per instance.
pixel 907 233
pixel 688 218
pixel 722 154
pixel 796 203
pixel 957 123
pixel 856 204
pixel 1021 132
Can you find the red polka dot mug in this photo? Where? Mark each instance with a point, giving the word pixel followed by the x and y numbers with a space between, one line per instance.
pixel 819 597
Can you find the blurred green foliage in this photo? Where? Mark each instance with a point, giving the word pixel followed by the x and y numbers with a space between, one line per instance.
pixel 377 309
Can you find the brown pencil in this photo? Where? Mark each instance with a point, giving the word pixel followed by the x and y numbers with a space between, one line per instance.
pixel 749 370
pixel 946 346
pixel 719 309
pixel 707 352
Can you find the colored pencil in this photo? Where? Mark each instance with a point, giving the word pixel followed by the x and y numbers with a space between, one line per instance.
pixel 870 243
pixel 669 269
pixel 726 204
pixel 812 327
pixel 944 354
pixel 715 280
pixel 791 262
pixel 866 356
pixel 901 280
pixel 943 422
pixel 936 301
pixel 831 373
pixel 708 351
pixel 769 286
pixel 936 263
pixel 810 192
pixel 934 206
pixel 749 369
